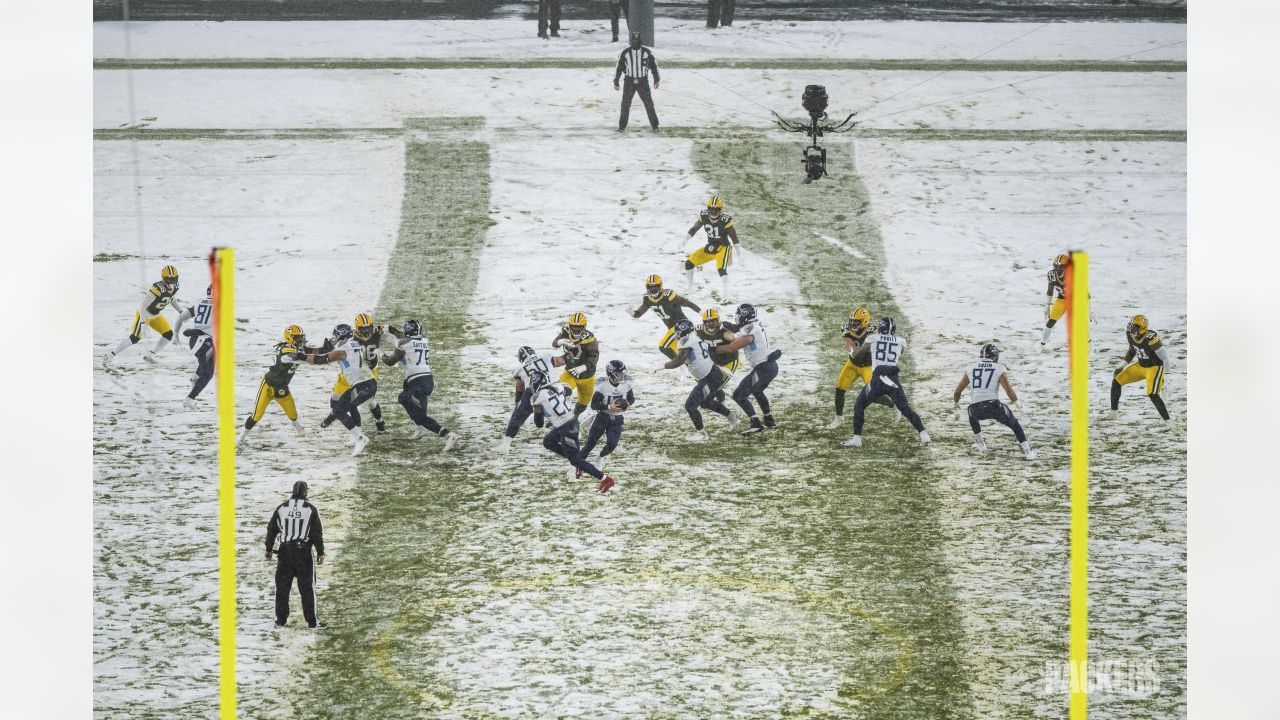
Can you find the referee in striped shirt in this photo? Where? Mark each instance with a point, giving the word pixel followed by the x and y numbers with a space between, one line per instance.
pixel 637 62
pixel 297 523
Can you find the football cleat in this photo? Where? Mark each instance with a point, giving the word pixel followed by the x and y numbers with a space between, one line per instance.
pixel 364 326
pixel 169 275
pixel 1027 451
pixel 1137 326
pixel 504 446
pixel 616 371
pixel 924 438
pixel 653 286
pixel 755 427
pixel 979 444
pixel 573 473
pixel 350 441
pixel 855 441
pixel 606 483
pixel 989 352
pixel 697 436
pixel 715 205
pixel 887 326
pixel 361 443
pixel 188 403
pixel 449 441
pixel 297 428
pixel 381 425
pixel 244 433
pixel 745 313
pixel 682 327
pixel 150 356
pixel 836 422
pixel 769 422
pixel 735 416
pixel 418 433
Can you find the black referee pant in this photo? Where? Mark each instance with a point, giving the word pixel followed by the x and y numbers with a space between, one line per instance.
pixel 294 560
pixel 630 87
pixel 720 12
pixel 548 10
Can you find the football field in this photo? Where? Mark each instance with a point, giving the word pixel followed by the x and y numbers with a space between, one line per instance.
pixel 771 576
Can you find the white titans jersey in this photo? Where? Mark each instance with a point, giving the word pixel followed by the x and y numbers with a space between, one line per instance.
pixel 415 361
pixel 699 357
pixel 355 366
pixel 557 401
pixel 758 351
pixel 984 381
pixel 541 363
pixel 202 316
pixel 613 392
pixel 885 350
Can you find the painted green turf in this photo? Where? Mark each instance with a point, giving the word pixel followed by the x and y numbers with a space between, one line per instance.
pixel 855 535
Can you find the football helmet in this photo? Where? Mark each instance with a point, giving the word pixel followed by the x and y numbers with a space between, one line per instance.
pixel 860 318
pixel 412 328
pixel 537 380
pixel 169 275
pixel 615 371
pixel 294 336
pixel 990 352
pixel 653 286
pixel 711 319
pixel 1061 261
pixel 341 332
pixel 745 313
pixel 683 327
pixel 715 205
pixel 364 326
pixel 887 326
pixel 524 353
pixel 1138 325
pixel 208 292
pixel 577 326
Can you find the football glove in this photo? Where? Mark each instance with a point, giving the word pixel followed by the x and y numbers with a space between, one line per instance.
pixel 578 372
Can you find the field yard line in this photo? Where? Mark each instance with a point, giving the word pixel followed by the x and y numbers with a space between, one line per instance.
pixel 843 246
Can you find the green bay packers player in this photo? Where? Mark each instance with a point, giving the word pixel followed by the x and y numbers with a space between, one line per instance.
pixel 853 334
pixel 666 305
pixel 718 334
pixel 1055 297
pixel 582 352
pixel 274 386
pixel 1150 365
pixel 158 296
pixel 368 335
pixel 722 242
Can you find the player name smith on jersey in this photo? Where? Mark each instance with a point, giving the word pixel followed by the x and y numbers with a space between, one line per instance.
pixel 416 360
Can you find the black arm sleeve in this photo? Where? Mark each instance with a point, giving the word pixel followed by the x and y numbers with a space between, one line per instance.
pixel 273 528
pixel 653 66
pixel 631 397
pixel 317 532
pixel 622 61
pixel 597 402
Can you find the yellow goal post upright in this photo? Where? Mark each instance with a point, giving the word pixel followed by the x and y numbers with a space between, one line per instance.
pixel 222 268
pixel 1076 289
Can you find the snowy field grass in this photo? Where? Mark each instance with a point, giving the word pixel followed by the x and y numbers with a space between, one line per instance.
pixel 781 577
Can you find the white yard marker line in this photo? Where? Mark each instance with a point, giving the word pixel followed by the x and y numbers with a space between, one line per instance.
pixel 847 248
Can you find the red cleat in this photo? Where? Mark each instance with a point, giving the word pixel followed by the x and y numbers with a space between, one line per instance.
pixel 607 483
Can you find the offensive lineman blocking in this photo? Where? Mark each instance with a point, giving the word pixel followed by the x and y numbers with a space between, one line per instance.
pixel 885 349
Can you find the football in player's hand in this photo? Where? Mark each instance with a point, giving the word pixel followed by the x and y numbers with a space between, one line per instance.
pixel 619 405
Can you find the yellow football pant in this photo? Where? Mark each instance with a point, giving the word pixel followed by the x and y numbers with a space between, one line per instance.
pixel 266 394
pixel 669 341
pixel 851 372
pixel 156 322
pixel 341 386
pixel 723 256
pixel 1133 372
pixel 586 387
pixel 1058 309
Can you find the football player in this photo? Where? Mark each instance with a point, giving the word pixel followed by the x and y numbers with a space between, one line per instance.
pixel 554 402
pixel 722 242
pixel 369 336
pixel 614 395
pixel 710 377
pixel 1152 359
pixel 666 305
pixel 884 348
pixel 1055 297
pixel 155 299
pixel 853 333
pixel 413 353
pixel 985 378
pixel 530 360
pixel 352 357
pixel 717 336
pixel 582 352
pixel 200 340
pixel 275 384
pixel 764 366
